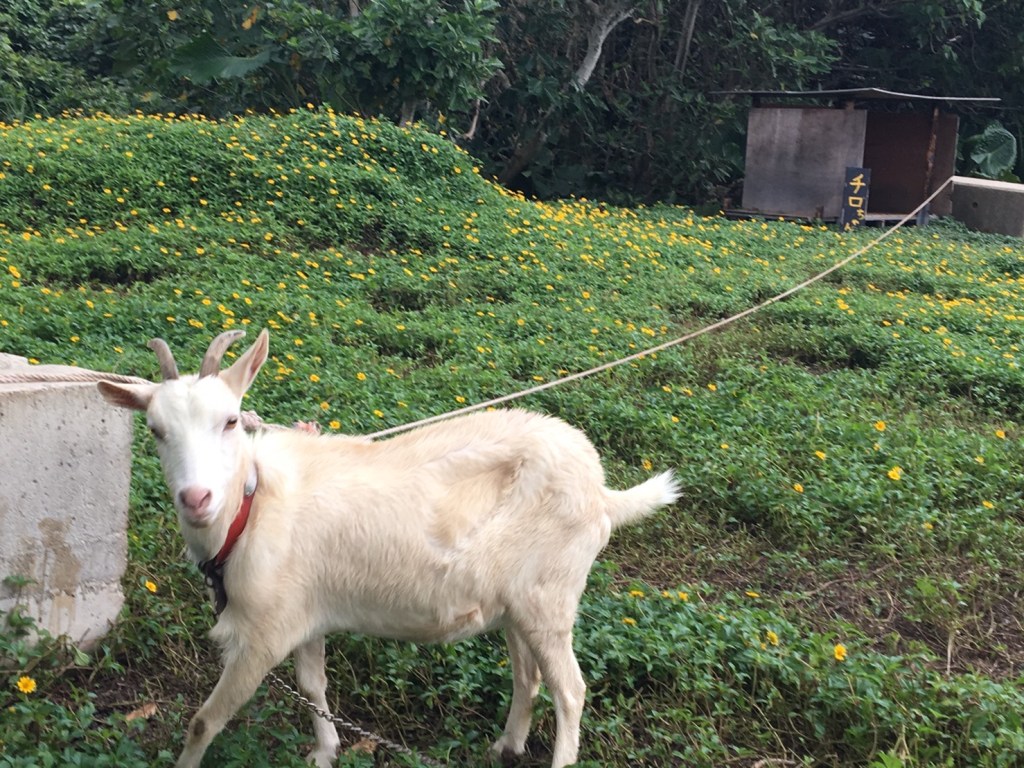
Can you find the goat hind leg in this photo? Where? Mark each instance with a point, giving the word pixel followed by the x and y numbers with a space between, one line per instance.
pixel 561 672
pixel 311 674
pixel 525 684
pixel 243 672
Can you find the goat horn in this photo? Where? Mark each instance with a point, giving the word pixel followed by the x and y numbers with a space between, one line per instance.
pixel 168 368
pixel 211 361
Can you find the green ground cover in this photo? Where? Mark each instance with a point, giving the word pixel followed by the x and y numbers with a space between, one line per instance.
pixel 840 584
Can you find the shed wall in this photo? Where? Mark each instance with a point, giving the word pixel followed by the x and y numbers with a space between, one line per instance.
pixel 797 158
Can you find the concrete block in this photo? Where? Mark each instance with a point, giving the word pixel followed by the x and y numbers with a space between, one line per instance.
pixel 65 466
pixel 989 206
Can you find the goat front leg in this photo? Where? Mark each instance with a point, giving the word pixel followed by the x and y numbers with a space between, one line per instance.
pixel 243 672
pixel 311 673
pixel 525 684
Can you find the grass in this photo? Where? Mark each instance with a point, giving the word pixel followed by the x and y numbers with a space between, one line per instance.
pixel 840 584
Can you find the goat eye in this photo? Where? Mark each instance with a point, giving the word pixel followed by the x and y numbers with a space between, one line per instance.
pixel 157 433
pixel 231 423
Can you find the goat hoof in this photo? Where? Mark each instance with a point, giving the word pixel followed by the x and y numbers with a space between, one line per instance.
pixel 322 758
pixel 506 754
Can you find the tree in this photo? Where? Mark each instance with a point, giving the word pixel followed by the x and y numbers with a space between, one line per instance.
pixel 46 64
pixel 643 121
pixel 602 19
pixel 380 57
pixel 609 98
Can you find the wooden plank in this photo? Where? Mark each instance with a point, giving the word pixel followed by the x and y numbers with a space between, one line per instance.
pixel 797 159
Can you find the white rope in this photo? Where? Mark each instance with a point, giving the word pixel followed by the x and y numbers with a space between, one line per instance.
pixel 666 345
pixel 253 421
pixel 67 377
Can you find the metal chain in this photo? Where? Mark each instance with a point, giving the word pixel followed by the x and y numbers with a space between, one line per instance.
pixel 348 725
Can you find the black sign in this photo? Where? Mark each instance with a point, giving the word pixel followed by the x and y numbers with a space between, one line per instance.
pixel 855 197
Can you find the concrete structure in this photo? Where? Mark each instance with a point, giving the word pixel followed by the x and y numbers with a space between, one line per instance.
pixel 989 206
pixel 65 465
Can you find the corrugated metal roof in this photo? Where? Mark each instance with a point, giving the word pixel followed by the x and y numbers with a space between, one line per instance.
pixel 861 93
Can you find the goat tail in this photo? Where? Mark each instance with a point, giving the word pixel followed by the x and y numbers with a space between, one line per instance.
pixel 628 506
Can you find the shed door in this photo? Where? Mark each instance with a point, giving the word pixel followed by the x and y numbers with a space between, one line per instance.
pixel 907 161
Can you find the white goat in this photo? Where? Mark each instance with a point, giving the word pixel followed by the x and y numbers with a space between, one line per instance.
pixel 487 521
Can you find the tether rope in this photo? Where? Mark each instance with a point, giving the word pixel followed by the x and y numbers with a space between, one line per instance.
pixel 674 342
pixel 69 377
pixel 254 422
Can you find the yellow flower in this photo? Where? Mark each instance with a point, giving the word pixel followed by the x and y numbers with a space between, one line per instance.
pixel 14 272
pixel 820 455
pixel 636 593
pixel 839 652
pixel 713 387
pixel 798 487
pixel 629 622
pixel 172 15
pixel 151 587
pixel 988 504
pixel 26 684
pixel 360 376
pixel 895 473
pixel 773 638
pixel 999 433
pixel 751 593
pixel 927 525
pixel 314 378
pixel 646 464
pixel 335 424
pixel 880 426
pixel 684 596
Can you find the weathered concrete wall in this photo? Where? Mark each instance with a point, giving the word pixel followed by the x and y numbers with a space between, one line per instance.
pixel 989 206
pixel 65 464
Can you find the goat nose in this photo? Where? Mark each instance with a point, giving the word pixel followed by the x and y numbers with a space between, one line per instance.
pixel 195 498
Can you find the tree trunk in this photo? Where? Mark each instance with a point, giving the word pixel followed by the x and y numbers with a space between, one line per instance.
pixel 605 19
pixel 689 23
pixel 408 113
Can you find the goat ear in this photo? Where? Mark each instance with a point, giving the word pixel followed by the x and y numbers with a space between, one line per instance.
pixel 240 375
pixel 135 397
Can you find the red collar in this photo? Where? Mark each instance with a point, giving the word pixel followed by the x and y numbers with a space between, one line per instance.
pixel 236 528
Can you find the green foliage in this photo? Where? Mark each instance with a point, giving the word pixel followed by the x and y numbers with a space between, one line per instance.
pixel 39 729
pixel 993 152
pixel 649 123
pixel 393 58
pixel 45 63
pixel 850 457
pixel 644 127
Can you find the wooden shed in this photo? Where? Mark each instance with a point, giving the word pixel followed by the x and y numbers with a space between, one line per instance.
pixel 800 144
